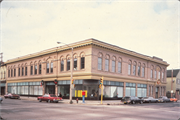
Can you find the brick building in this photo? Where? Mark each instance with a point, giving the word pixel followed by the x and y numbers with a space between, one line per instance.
pixel 125 73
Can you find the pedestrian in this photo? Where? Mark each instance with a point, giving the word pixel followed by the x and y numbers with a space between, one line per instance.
pixel 83 96
pixel 60 95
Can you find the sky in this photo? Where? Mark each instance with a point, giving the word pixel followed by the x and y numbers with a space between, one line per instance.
pixel 149 27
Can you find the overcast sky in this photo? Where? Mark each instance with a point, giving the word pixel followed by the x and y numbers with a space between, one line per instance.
pixel 149 27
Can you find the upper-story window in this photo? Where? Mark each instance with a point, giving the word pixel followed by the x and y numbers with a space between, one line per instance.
pixel 68 64
pixel 62 65
pixel 25 70
pixel 19 71
pixel 31 69
pixel 155 74
pixel 100 61
pixel 151 73
pixel 82 62
pixel 47 67
pixel 11 72
pixel 134 68
pixel 139 69
pixel 129 68
pixel 35 69
pixel 113 66
pixel 119 65
pixel 14 72
pixel 162 76
pixel 40 67
pixel 143 70
pixel 75 63
pixel 107 63
pixel 159 74
pixel 22 71
pixel 4 74
pixel 8 72
pixel 51 67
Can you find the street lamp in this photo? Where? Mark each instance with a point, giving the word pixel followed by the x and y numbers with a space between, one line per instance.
pixel 70 92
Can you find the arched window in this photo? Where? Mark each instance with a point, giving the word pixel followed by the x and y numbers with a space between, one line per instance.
pixel 68 62
pixel 8 72
pixel 107 63
pixel 134 68
pixel 11 72
pixel 143 70
pixel 82 60
pixel 25 69
pixel 47 67
pixel 31 71
pixel 62 64
pixel 75 62
pixel 152 67
pixel 129 67
pixel 14 71
pixel 119 65
pixel 139 69
pixel 51 66
pixel 35 68
pixel 22 72
pixel 19 70
pixel 100 61
pixel 113 64
pixel 40 67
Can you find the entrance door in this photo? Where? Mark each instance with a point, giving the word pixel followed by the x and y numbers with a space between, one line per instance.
pixel 50 89
pixel 157 89
pixel 92 92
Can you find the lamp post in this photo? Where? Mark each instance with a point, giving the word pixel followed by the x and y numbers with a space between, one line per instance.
pixel 70 92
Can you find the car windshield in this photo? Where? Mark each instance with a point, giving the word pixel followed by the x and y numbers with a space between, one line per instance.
pixel 160 97
pixel 53 95
pixel 145 97
pixel 126 98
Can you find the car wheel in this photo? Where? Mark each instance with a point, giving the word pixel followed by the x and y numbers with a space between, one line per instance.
pixel 39 100
pixel 149 101
pixel 156 101
pixel 165 101
pixel 133 102
pixel 176 100
pixel 141 102
pixel 49 101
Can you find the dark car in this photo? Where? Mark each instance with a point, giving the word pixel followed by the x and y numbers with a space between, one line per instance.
pixel 149 99
pixel 163 99
pixel 49 98
pixel 11 96
pixel 1 99
pixel 131 100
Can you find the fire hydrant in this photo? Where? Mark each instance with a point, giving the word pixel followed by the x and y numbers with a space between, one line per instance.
pixel 77 100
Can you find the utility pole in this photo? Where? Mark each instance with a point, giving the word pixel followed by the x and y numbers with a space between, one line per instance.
pixel 171 82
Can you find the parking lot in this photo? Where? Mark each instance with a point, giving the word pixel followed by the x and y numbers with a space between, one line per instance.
pixel 31 109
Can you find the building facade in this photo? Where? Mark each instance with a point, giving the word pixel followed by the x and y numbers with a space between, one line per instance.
pixel 173 83
pixel 2 78
pixel 125 73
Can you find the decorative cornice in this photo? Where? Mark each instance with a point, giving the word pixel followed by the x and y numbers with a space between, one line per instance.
pixel 87 43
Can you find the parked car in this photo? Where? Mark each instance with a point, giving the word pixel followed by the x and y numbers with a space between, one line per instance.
pixel 149 99
pixel 163 99
pixel 131 100
pixel 49 98
pixel 11 96
pixel 1 99
pixel 173 99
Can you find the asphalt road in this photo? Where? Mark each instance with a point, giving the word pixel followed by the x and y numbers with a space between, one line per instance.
pixel 12 109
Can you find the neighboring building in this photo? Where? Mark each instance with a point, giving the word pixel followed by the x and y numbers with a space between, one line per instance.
pixel 125 73
pixel 2 78
pixel 173 79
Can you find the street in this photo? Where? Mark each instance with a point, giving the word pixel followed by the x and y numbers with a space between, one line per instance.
pixel 23 109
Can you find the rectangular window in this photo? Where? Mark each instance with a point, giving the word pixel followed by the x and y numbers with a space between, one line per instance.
pixel 11 72
pixel 51 67
pixel 22 71
pixel 139 68
pixel 25 70
pixel 68 64
pixel 113 66
pixel 99 63
pixel 8 73
pixel 75 63
pixel 62 65
pixel 39 68
pixel 14 72
pixel 47 67
pixel 82 62
pixel 119 67
pixel 155 75
pixel 151 73
pixel 31 70
pixel 18 71
pixel 129 69
pixel 35 69
pixel 159 75
pixel 106 65
pixel 134 70
pixel 142 71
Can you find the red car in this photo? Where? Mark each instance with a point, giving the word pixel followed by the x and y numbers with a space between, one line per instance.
pixel 173 99
pixel 49 98
pixel 12 96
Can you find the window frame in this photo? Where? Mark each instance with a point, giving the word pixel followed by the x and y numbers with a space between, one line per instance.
pixel 99 63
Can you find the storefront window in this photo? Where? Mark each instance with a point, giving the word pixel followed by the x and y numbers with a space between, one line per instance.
pixel 142 90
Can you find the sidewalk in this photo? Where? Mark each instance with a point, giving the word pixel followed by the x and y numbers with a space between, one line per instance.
pixel 87 102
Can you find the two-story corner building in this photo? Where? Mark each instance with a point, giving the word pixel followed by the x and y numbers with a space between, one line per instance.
pixel 125 73
pixel 173 83
pixel 2 78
